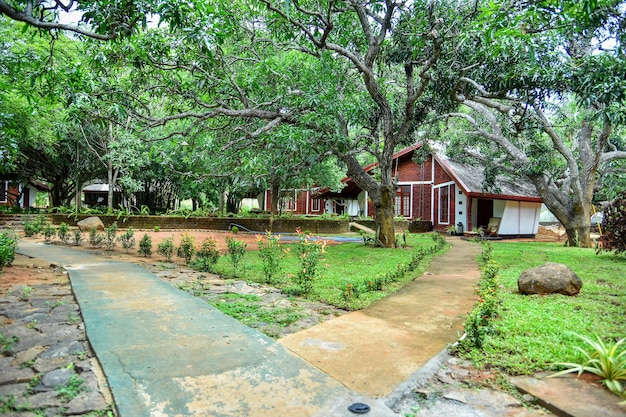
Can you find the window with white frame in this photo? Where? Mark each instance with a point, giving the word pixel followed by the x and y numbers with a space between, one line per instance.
pixel 288 204
pixel 403 201
pixel 315 204
pixel 444 204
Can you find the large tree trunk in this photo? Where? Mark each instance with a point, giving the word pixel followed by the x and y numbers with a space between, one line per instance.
pixel 578 227
pixel 382 195
pixel 574 216
pixel 384 216
pixel 275 197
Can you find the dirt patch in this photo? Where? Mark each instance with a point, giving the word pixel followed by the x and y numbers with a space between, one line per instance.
pixel 27 271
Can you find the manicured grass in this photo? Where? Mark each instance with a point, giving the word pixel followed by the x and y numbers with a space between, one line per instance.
pixel 346 264
pixel 533 332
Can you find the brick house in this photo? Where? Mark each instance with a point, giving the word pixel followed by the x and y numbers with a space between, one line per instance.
pixel 448 193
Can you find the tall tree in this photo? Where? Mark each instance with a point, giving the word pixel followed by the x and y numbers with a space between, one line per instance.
pixel 543 90
pixel 36 140
pixel 327 68
pixel 97 19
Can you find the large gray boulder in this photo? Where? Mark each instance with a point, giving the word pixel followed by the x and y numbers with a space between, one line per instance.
pixel 89 223
pixel 549 279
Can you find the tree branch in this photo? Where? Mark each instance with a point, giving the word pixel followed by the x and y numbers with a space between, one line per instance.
pixel 28 18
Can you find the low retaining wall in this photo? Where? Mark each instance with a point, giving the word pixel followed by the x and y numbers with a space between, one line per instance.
pixel 257 225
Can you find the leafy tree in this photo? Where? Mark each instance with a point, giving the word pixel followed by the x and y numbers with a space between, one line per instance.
pixel 543 95
pixel 102 20
pixel 252 71
pixel 37 143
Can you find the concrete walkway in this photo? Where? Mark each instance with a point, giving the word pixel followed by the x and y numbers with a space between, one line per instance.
pixel 374 350
pixel 166 353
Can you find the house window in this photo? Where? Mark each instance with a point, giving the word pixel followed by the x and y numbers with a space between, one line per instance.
pixel 315 204
pixel 403 201
pixel 444 204
pixel 4 185
pixel 288 204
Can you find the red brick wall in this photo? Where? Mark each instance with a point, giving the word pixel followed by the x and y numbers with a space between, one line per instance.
pixel 410 171
pixel 301 203
pixel 422 194
pixel 12 192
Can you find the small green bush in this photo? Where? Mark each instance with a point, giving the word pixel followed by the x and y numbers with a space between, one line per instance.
pixel 34 228
pixel 110 236
pixel 8 246
pixel 127 239
pixel 145 246
pixel 236 251
pixel 49 232
pixel 64 233
pixel 309 256
pixel 271 254
pixel 96 239
pixel 166 248
pixel 77 237
pixel 31 229
pixel 187 247
pixel 207 256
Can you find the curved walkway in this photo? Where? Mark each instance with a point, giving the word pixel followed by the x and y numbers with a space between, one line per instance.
pixel 374 350
pixel 166 353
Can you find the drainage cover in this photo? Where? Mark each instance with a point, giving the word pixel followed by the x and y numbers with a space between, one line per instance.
pixel 359 408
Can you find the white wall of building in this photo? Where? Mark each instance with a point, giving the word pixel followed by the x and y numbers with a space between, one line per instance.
pixel 461 209
pixel 518 217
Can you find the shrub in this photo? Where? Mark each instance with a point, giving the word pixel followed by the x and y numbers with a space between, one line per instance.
pixel 145 246
pixel 207 256
pixel 236 251
pixel 49 232
pixel 64 233
pixel 479 321
pixel 166 248
pixel 96 239
pixel 309 256
pixel 614 226
pixel 109 236
pixel 8 246
pixel 33 228
pixel 187 247
pixel 270 253
pixel 157 228
pixel 127 239
pixel 77 237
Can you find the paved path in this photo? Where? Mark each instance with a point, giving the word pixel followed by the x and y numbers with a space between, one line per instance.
pixel 374 350
pixel 166 353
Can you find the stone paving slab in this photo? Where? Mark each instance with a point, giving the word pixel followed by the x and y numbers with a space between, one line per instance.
pixel 570 397
pixel 166 353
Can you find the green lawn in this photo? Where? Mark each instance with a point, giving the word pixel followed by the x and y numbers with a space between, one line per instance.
pixel 532 332
pixel 346 264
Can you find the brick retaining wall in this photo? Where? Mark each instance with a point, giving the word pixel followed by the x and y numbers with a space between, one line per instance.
pixel 257 225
